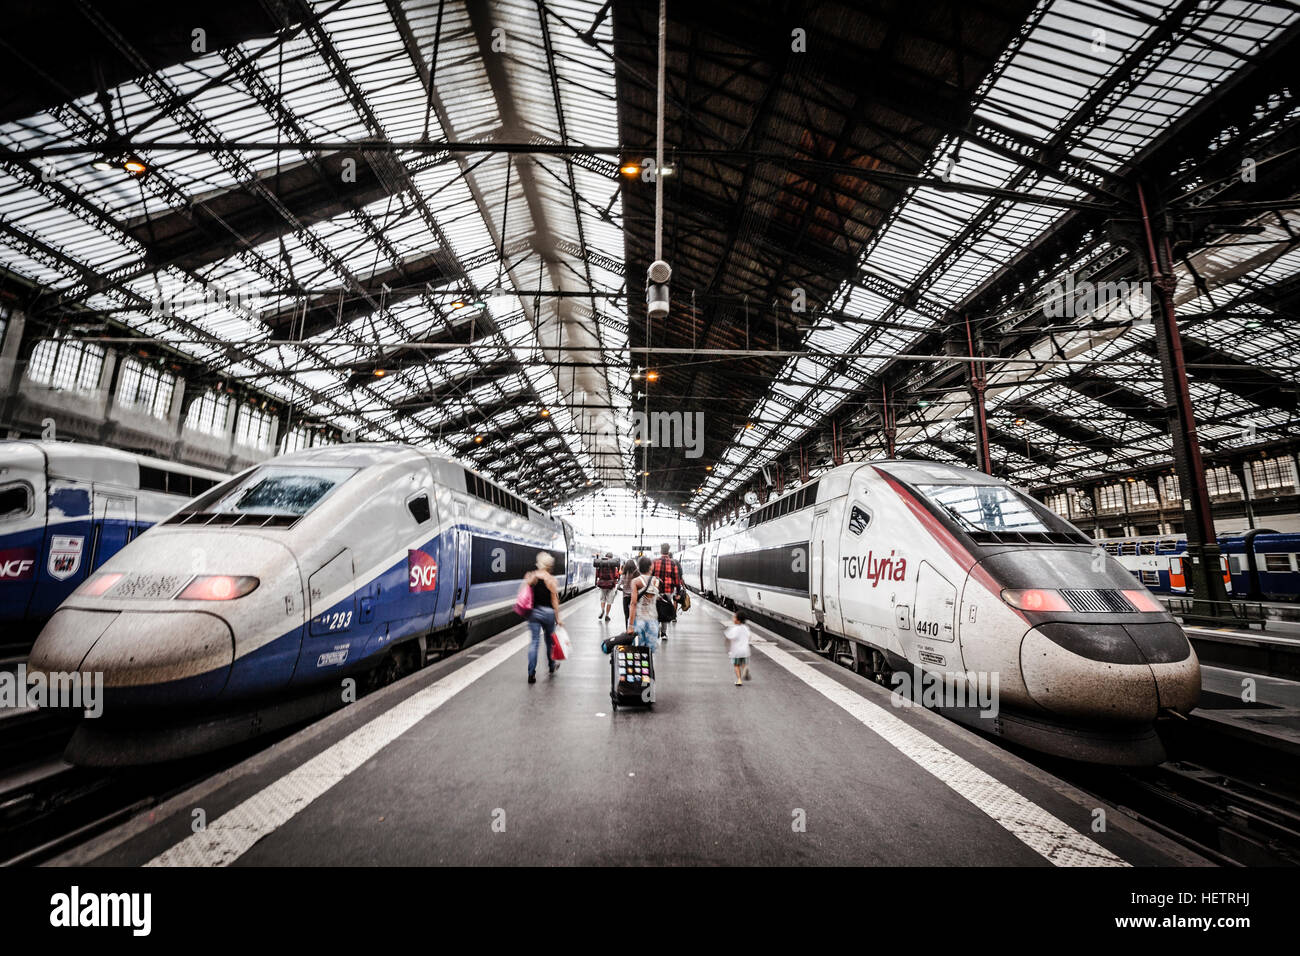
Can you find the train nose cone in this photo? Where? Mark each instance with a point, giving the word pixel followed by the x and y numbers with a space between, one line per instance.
pixel 1124 672
pixel 147 659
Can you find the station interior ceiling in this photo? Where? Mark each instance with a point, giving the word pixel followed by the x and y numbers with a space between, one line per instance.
pixel 407 220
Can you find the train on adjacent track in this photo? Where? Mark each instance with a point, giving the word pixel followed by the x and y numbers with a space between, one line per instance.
pixel 65 509
pixel 253 604
pixel 1257 565
pixel 929 569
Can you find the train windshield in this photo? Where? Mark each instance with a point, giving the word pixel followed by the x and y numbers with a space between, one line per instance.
pixel 986 508
pixel 279 490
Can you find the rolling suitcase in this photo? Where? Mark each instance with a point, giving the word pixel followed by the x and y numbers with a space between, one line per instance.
pixel 632 675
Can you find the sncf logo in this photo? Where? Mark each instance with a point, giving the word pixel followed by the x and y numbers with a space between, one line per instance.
pixel 17 564
pixel 423 571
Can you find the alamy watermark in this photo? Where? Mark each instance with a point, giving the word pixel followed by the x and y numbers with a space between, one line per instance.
pixel 70 690
pixel 658 430
pixel 172 300
pixel 1071 299
pixel 950 689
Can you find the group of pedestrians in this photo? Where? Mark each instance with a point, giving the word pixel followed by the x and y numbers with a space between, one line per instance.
pixel 652 591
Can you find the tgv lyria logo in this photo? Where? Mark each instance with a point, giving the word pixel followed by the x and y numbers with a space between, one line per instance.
pixel 422 571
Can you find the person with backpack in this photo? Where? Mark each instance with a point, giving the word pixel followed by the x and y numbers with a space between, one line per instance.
pixel 644 618
pixel 607 575
pixel 669 572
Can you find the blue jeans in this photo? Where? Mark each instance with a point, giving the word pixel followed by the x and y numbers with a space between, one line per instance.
pixel 647 631
pixel 541 621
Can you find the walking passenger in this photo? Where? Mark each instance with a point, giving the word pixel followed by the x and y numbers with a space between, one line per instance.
pixel 544 618
pixel 644 620
pixel 625 586
pixel 607 574
pixel 669 572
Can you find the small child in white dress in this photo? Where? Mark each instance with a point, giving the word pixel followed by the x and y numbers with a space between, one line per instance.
pixel 738 636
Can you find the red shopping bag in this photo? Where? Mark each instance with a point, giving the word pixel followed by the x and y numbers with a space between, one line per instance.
pixel 561 646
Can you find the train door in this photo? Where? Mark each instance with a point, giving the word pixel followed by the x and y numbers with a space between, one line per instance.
pixel 572 562
pixel 332 604
pixel 817 566
pixel 1177 577
pixel 460 596
pixel 934 619
pixel 114 523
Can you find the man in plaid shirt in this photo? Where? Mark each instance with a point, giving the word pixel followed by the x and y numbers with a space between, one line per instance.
pixel 669 573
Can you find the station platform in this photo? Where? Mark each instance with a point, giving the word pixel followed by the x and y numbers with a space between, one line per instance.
pixel 1256 652
pixel 1269 716
pixel 465 763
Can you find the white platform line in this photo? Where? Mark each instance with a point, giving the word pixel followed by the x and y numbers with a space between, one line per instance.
pixel 1024 819
pixel 233 834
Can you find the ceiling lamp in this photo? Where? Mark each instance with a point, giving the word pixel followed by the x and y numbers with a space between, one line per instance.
pixel 630 170
pixel 129 162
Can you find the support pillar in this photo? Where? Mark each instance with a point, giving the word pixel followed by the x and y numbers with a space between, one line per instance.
pixel 979 415
pixel 1209 594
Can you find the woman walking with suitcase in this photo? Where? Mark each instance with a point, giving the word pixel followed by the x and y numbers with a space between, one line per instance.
pixel 544 618
pixel 644 619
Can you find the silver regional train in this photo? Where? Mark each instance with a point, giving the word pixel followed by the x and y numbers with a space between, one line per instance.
pixel 249 606
pixel 65 509
pixel 929 569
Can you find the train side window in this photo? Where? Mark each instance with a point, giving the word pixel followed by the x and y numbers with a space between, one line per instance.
pixel 15 500
pixel 419 508
pixel 1277 562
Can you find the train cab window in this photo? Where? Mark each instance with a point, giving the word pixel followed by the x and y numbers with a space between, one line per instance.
pixel 15 500
pixel 986 507
pixel 277 490
pixel 419 508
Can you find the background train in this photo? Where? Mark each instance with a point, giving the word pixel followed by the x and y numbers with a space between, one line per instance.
pixel 1258 565
pixel 273 587
pixel 65 509
pixel 931 569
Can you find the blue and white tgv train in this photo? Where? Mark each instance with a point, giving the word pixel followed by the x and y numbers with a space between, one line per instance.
pixel 65 509
pixel 298 571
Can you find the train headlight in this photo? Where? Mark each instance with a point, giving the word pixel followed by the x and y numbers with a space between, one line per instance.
pixel 1144 601
pixel 1035 599
pixel 99 583
pixel 217 587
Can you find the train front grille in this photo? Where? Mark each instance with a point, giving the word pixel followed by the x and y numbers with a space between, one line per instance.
pixel 1096 601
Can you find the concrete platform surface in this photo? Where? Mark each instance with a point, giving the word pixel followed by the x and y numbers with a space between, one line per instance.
pixel 466 763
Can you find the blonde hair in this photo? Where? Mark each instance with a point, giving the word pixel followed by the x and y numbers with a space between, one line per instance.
pixel 545 561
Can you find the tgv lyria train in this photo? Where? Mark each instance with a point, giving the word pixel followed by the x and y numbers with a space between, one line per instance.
pixel 903 565
pixel 285 579
pixel 65 509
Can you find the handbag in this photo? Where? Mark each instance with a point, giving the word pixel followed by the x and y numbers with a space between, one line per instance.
pixel 562 646
pixel 524 600
pixel 684 599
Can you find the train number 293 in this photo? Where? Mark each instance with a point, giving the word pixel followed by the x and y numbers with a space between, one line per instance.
pixel 337 622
